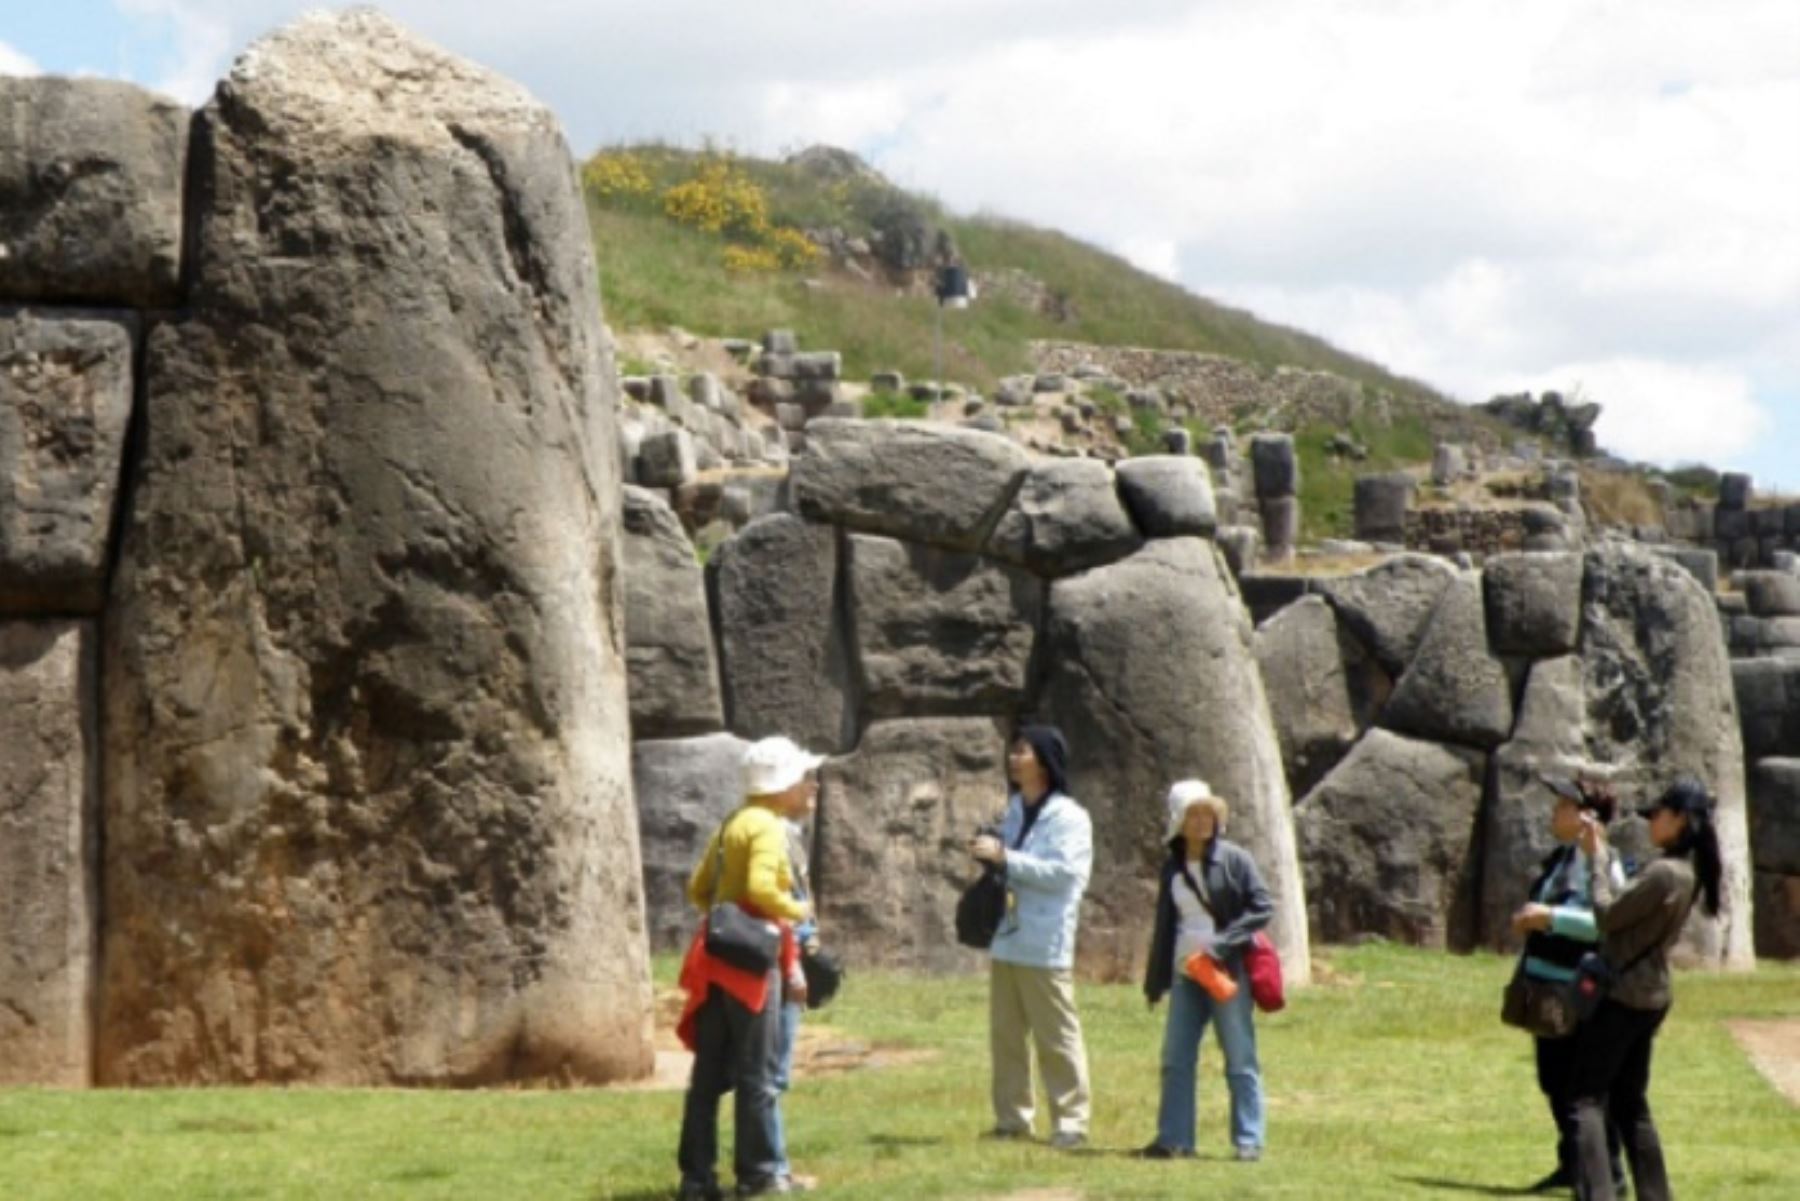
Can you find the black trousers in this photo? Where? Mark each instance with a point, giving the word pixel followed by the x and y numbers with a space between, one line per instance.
pixel 1556 1080
pixel 734 1050
pixel 1612 1083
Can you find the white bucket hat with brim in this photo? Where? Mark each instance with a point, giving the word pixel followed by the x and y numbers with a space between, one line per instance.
pixel 773 765
pixel 1183 794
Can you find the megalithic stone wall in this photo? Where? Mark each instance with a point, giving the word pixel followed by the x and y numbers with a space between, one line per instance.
pixel 368 800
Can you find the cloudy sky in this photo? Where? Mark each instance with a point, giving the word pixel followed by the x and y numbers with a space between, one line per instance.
pixel 1486 194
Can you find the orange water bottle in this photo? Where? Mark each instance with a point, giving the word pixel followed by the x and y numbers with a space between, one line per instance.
pixel 1211 975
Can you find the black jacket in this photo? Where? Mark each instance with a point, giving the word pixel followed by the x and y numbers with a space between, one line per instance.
pixel 1238 898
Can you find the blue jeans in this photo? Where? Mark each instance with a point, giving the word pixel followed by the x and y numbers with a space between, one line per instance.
pixel 781 1074
pixel 733 1051
pixel 1190 1008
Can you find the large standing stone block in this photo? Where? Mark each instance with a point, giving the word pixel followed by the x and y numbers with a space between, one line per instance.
pixel 895 819
pixel 1777 915
pixel 1388 605
pixel 1533 602
pixel 1322 688
pixel 1066 518
pixel 49 840
pixel 90 192
pixel 65 401
pixel 1379 504
pixel 1455 689
pixel 1768 702
pixel 368 786
pixel 1771 593
pixel 1168 495
pixel 947 487
pixel 673 669
pixel 1387 841
pixel 1775 816
pixel 782 648
pixel 940 632
pixel 1659 701
pixel 1274 465
pixel 1149 669
pixel 685 787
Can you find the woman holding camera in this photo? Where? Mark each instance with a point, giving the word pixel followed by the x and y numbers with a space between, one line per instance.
pixel 1638 924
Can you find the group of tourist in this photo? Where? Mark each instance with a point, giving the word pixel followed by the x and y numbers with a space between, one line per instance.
pixel 1211 901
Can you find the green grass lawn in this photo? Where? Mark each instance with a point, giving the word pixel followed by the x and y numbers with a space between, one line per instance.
pixel 1395 1080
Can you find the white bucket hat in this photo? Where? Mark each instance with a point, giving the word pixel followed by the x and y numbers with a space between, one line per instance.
pixel 1183 794
pixel 774 765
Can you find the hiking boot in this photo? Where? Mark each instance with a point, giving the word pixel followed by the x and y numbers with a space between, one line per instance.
pixel 1068 1140
pixel 1158 1151
pixel 1248 1154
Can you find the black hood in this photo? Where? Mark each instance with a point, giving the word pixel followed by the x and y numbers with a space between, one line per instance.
pixel 1052 750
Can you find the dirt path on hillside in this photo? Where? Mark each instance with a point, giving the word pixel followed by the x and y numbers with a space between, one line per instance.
pixel 1773 1046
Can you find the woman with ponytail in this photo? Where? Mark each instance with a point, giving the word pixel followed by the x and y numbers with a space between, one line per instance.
pixel 1638 924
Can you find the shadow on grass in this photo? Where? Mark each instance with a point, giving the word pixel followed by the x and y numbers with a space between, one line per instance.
pixel 1466 1186
pixel 905 1140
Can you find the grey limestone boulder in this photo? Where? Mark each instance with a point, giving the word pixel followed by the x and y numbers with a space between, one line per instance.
pixel 49 848
pixel 1455 689
pixel 672 668
pixel 1379 504
pixel 1533 602
pixel 91 174
pixel 1274 465
pixel 1321 685
pixel 1660 706
pixel 939 632
pixel 1387 606
pixel 66 388
pixel 1777 900
pixel 1168 495
pixel 1149 668
pixel 1387 841
pixel 947 487
pixel 895 819
pixel 782 644
pixel 387 836
pixel 1771 593
pixel 685 787
pixel 1768 703
pixel 1775 816
pixel 1241 545
pixel 667 459
pixel 1065 518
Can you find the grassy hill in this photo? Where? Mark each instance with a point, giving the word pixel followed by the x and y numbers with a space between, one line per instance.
pixel 713 244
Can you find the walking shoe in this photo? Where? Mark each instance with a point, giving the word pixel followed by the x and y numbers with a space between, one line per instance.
pixel 768 1186
pixel 696 1190
pixel 1249 1154
pixel 1556 1182
pixel 1158 1151
pixel 1067 1140
pixel 1001 1134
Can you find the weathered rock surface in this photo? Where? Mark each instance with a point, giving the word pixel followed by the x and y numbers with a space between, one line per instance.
pixel 1168 495
pixel 1768 702
pixel 1777 915
pixel 1455 690
pixel 895 819
pixel 673 669
pixel 90 192
pixel 947 487
pixel 49 843
pixel 1533 602
pixel 939 632
pixel 685 787
pixel 1321 686
pixel 782 643
pixel 1771 593
pixel 368 796
pixel 1516 834
pixel 65 402
pixel 1149 669
pixel 1387 841
pixel 1775 816
pixel 1065 518
pixel 1553 709
pixel 1388 605
pixel 1660 706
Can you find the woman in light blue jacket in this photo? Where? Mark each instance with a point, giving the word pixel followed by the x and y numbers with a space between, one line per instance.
pixel 1046 851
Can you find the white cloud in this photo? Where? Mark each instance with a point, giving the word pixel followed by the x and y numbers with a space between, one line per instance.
pixel 14 63
pixel 1467 190
pixel 1663 412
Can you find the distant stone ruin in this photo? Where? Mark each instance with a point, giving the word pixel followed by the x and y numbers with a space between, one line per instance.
pixel 314 757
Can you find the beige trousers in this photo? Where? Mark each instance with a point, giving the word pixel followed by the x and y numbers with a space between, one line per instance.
pixel 1027 1006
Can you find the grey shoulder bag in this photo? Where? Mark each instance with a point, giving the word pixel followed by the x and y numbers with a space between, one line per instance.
pixel 733 935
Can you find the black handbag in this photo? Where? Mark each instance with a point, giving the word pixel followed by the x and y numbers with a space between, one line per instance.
pixel 824 974
pixel 1545 1008
pixel 980 909
pixel 734 936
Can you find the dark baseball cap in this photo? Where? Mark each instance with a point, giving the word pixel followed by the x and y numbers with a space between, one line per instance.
pixel 1686 797
pixel 1562 786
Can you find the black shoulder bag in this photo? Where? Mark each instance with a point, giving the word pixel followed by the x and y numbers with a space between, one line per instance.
pixel 734 936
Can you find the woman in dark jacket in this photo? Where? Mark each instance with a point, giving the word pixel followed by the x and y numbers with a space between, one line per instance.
pixel 1638 924
pixel 1210 901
